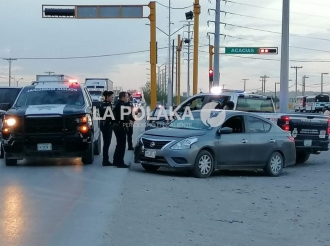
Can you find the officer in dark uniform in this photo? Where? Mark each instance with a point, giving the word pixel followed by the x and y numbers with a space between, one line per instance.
pixel 120 128
pixel 130 126
pixel 106 125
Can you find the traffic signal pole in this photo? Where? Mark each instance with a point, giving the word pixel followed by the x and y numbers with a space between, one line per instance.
pixel 178 57
pixel 153 58
pixel 113 12
pixel 197 12
pixel 210 64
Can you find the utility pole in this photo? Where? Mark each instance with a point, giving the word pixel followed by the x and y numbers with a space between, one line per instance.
pixel 263 79
pixel 10 60
pixel 216 69
pixel 197 12
pixel 284 86
pixel 165 81
pixel 245 83
pixel 188 40
pixel 276 83
pixel 296 68
pixel 304 84
pixel 172 87
pixel 211 53
pixel 322 81
pixel 49 72
pixel 178 74
pixel 169 85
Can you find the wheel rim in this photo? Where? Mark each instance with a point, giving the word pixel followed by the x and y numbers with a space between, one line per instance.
pixel 276 164
pixel 205 164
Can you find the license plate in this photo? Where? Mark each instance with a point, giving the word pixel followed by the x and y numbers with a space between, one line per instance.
pixel 307 142
pixel 44 147
pixel 150 153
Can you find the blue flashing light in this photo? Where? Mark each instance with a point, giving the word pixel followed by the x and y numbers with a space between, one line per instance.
pixel 234 91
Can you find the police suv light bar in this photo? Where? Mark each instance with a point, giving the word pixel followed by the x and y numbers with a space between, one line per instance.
pixel 216 90
pixel 268 50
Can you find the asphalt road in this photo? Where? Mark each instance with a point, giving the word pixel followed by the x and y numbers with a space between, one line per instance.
pixel 62 202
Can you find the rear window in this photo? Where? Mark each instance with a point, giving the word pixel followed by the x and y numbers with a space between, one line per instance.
pixel 96 93
pixel 322 98
pixel 42 96
pixel 255 105
pixel 9 95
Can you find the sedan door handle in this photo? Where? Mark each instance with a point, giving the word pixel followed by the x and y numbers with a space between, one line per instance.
pixel 272 141
pixel 244 141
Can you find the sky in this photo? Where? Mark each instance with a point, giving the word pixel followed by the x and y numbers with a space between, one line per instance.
pixel 246 23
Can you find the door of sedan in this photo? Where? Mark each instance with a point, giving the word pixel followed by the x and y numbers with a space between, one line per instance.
pixel 234 148
pixel 263 142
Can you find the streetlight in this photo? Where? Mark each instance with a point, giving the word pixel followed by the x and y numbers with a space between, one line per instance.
pixel 322 81
pixel 18 81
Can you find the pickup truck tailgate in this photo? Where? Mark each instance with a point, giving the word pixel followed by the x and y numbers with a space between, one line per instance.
pixel 310 131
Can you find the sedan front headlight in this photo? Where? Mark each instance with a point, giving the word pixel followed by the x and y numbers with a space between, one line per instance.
pixel 139 139
pixel 185 144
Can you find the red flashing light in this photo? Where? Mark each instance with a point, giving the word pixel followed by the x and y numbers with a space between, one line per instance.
pixel 328 126
pixel 73 81
pixel 210 71
pixel 286 119
pixel 286 128
pixel 268 50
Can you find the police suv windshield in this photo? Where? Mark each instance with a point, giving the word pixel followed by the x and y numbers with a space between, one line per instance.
pixel 255 104
pixel 42 96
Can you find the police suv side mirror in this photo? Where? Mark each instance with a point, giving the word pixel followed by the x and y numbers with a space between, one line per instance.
pixel 225 130
pixel 96 104
pixel 5 106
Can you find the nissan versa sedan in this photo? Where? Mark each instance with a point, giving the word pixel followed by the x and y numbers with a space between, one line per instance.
pixel 241 141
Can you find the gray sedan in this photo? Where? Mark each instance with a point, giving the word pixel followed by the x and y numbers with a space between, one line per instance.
pixel 242 141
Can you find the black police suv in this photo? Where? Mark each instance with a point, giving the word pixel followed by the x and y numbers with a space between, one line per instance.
pixel 52 120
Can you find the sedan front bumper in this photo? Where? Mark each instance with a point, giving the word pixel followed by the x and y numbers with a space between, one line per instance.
pixel 167 157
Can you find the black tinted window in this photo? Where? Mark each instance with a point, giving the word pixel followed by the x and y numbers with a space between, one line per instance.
pixel 255 105
pixel 256 125
pixel 42 96
pixel 220 100
pixel 9 95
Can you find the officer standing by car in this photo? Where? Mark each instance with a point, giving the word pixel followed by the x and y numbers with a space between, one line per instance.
pixel 130 126
pixel 106 125
pixel 120 128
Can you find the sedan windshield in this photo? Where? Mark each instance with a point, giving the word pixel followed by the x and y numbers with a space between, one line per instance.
pixel 42 96
pixel 194 123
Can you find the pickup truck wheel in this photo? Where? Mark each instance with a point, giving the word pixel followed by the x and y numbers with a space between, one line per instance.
pixel 2 152
pixel 302 157
pixel 10 162
pixel 204 165
pixel 97 146
pixel 89 157
pixel 150 168
pixel 274 165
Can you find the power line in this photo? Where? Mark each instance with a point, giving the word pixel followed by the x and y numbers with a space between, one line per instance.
pixel 259 18
pixel 296 47
pixel 83 57
pixel 261 30
pixel 172 7
pixel 260 7
pixel 269 59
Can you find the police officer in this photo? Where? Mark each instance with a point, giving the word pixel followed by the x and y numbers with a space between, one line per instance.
pixel 120 128
pixel 230 105
pixel 130 126
pixel 106 125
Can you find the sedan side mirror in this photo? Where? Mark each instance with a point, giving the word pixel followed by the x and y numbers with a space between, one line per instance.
pixel 225 130
pixel 5 106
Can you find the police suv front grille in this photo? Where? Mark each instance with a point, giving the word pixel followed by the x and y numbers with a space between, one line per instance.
pixel 150 144
pixel 71 123
pixel 44 125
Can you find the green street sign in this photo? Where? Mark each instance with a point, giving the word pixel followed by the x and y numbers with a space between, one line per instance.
pixel 241 50
pixel 251 50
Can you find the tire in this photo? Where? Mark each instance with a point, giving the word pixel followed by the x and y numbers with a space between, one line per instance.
pixel 204 165
pixel 89 157
pixel 10 162
pixel 98 146
pixel 2 152
pixel 150 168
pixel 302 157
pixel 275 165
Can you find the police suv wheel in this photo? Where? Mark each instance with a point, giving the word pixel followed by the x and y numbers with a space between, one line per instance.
pixel 204 165
pixel 97 146
pixel 2 152
pixel 10 162
pixel 89 157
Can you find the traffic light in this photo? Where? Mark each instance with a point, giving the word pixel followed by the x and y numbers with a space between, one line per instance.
pixel 211 75
pixel 268 50
pixel 60 12
pixel 189 15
